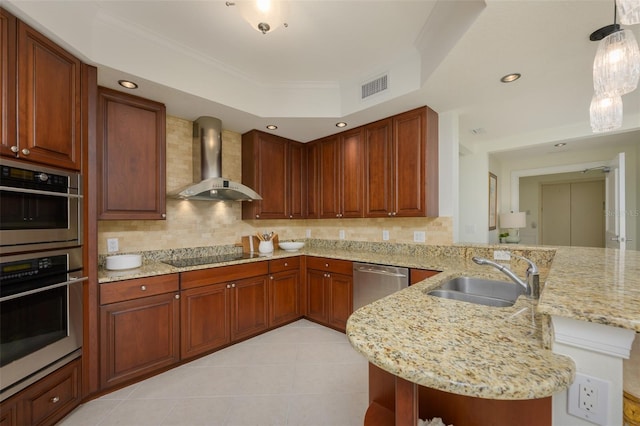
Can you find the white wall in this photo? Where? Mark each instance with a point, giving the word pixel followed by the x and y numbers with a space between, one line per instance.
pixel 473 207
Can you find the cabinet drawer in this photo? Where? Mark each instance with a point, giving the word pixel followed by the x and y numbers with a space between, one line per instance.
pixel 221 274
pixel 287 264
pixel 54 396
pixel 334 265
pixel 137 288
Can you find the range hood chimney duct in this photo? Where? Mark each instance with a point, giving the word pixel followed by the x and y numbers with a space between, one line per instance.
pixel 207 167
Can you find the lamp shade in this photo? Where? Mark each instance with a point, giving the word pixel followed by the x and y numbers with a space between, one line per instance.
pixel 513 220
pixel 605 113
pixel 629 11
pixel 616 67
pixel 263 15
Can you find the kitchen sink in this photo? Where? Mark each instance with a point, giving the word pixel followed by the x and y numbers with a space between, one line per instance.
pixel 479 291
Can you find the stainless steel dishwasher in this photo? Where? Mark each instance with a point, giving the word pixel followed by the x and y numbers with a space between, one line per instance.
pixel 372 282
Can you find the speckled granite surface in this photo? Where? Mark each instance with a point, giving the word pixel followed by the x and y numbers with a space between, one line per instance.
pixel 469 349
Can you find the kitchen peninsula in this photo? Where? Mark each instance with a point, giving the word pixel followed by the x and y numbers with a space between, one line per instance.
pixel 472 350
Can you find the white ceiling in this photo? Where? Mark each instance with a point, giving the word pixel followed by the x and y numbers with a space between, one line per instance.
pixel 201 58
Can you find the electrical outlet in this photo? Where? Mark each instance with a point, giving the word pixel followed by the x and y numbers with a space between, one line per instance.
pixel 419 236
pixel 385 235
pixel 501 255
pixel 589 399
pixel 112 245
pixel 308 233
pixel 341 233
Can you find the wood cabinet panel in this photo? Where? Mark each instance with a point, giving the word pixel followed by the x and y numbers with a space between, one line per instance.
pixel 275 168
pixel 313 179
pixel 378 157
pixel 204 321
pixel 340 300
pixel 50 399
pixel 284 297
pixel 329 157
pixel 139 337
pixel 352 177
pixel 285 264
pixel 417 275
pixel 8 121
pixel 46 126
pixel 222 274
pixel 249 307
pixel 137 288
pixel 131 149
pixel 329 285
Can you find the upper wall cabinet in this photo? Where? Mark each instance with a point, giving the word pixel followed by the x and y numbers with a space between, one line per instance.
pixel 341 174
pixel 131 157
pixel 44 80
pixel 401 156
pixel 275 168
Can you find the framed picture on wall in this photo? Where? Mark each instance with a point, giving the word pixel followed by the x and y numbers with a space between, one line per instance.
pixel 493 201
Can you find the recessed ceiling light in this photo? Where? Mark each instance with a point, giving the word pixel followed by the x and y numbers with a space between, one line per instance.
pixel 272 127
pixel 127 84
pixel 341 124
pixel 559 145
pixel 509 78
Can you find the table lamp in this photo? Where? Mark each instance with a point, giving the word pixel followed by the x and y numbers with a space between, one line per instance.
pixel 513 222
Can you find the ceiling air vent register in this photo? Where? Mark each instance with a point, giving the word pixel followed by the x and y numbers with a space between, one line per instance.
pixel 378 85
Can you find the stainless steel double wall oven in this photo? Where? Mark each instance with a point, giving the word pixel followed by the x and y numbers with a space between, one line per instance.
pixel 41 272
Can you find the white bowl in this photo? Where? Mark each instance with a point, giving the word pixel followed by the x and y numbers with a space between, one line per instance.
pixel 291 245
pixel 123 261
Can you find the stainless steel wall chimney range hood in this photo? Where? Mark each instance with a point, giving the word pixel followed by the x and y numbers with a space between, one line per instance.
pixel 207 167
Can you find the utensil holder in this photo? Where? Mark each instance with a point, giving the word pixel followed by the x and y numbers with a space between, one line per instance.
pixel 265 246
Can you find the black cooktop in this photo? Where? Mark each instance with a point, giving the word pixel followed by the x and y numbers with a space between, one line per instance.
pixel 196 261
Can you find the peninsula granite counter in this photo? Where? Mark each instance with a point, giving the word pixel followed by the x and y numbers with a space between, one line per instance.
pixel 468 349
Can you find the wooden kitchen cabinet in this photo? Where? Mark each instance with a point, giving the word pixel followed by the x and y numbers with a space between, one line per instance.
pixel 329 291
pixel 131 152
pixel 401 165
pixel 46 401
pixel 284 290
pixel 44 81
pixel 275 168
pixel 222 305
pixel 139 332
pixel 341 175
pixel 417 275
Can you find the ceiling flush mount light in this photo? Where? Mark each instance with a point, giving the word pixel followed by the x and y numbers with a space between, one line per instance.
pixel 341 124
pixel 263 15
pixel 272 127
pixel 629 11
pixel 605 113
pixel 510 78
pixel 127 84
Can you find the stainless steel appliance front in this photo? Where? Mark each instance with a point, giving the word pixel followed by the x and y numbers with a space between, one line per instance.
pixel 40 315
pixel 40 208
pixel 372 282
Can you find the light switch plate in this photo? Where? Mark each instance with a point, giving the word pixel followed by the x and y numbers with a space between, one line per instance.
pixel 385 235
pixel 419 236
pixel 112 245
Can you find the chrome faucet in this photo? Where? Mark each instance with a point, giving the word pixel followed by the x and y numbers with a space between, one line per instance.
pixel 531 285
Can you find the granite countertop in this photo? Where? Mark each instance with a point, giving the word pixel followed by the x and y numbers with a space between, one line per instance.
pixel 498 353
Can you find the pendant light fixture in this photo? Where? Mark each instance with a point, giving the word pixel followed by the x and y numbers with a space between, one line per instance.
pixel 629 11
pixel 605 113
pixel 616 67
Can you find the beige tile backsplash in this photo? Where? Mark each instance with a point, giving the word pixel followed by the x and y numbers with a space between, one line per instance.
pixel 203 223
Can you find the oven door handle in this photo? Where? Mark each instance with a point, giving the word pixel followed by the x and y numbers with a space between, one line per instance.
pixel 73 280
pixel 39 192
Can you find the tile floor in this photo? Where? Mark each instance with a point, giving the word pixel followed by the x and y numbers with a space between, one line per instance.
pixel 302 374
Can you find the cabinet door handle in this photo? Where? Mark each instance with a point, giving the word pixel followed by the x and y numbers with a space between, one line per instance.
pixel 228 285
pixel 143 287
pixel 271 277
pixel 326 265
pixel 286 264
pixel 55 400
pixel 177 296
pixel 164 215
pixel 233 285
pixel 257 216
pixel 15 149
pixel 25 151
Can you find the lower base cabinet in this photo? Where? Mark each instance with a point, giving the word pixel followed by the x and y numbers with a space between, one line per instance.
pixel 139 333
pixel 222 305
pixel 329 291
pixel 47 401
pixel 284 291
